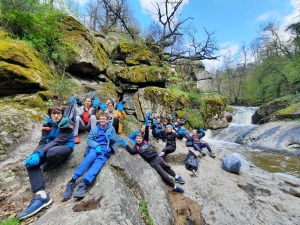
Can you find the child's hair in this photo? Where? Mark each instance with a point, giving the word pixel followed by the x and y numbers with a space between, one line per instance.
pixel 56 108
pixel 139 134
pixel 111 101
pixel 104 114
pixel 169 126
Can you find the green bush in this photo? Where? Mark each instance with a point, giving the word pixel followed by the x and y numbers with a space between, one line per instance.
pixel 10 221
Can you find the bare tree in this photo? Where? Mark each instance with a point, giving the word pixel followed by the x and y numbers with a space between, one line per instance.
pixel 177 38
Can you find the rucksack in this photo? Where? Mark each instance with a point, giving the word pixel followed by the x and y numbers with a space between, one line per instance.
pixel 188 143
pixel 70 111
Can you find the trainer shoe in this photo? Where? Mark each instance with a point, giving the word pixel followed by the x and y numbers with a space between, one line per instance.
pixel 76 139
pixel 82 189
pixel 68 191
pixel 212 155
pixel 178 189
pixel 35 206
pixel 179 180
pixel 203 154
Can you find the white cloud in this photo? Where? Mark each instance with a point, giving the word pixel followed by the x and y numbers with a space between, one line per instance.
pixel 149 7
pixel 294 16
pixel 267 16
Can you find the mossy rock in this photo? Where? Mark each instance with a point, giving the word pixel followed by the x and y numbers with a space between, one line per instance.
pixel 195 119
pixel 292 112
pixel 21 69
pixel 139 74
pixel 88 57
pixel 212 106
pixel 135 54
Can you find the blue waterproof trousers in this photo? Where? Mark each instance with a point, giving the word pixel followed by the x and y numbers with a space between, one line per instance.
pixel 94 162
pixel 199 146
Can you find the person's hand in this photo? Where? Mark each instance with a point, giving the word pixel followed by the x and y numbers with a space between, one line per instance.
pixel 147 120
pixel 201 130
pixel 73 99
pixel 98 149
pixel 157 130
pixel 174 116
pixel 103 107
pixel 33 159
pixel 149 114
pixel 91 94
pixel 154 121
pixel 120 107
pixel 186 119
pixel 96 102
pixel 122 143
pixel 127 99
pixel 181 131
pixel 108 135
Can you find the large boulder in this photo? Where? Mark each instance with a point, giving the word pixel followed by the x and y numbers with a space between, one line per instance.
pixel 280 108
pixel 160 100
pixel 140 74
pixel 21 68
pixel 88 56
pixel 135 54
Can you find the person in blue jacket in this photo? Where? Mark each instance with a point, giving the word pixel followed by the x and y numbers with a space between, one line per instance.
pixel 56 143
pixel 100 144
pixel 142 129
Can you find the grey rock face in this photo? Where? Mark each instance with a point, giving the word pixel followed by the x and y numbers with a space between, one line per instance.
pixel 217 123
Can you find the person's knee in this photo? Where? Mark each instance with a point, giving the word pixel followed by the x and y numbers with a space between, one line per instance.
pixel 78 118
pixel 93 117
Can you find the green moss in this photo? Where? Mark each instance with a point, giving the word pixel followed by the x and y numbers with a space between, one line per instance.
pixel 292 109
pixel 21 67
pixel 35 102
pixel 108 90
pixel 135 53
pixel 79 36
pixel 212 105
pixel 10 221
pixel 45 95
pixel 229 109
pixel 142 73
pixel 195 119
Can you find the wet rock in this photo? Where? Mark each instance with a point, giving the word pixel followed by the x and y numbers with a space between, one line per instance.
pixel 215 124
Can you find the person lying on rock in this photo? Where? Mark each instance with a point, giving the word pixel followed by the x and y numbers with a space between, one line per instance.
pixel 100 144
pixel 85 117
pixel 56 144
pixel 198 144
pixel 149 155
pixel 170 137
pixel 115 115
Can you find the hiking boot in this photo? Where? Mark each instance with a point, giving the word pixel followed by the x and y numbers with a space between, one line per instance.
pixel 178 189
pixel 68 191
pixel 179 180
pixel 82 189
pixel 35 206
pixel 212 155
pixel 76 139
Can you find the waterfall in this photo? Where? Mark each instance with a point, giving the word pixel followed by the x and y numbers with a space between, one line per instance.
pixel 238 128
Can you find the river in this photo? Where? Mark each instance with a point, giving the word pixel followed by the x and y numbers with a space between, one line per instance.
pixel 273 161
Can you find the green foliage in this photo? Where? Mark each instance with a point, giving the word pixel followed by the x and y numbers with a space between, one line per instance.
pixel 62 88
pixel 10 221
pixel 145 213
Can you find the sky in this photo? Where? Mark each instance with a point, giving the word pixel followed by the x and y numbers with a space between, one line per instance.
pixel 236 22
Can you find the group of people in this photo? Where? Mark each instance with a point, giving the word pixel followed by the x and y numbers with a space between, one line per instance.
pixel 59 136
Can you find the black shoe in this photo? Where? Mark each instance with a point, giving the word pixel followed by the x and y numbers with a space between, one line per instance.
pixel 82 189
pixel 203 154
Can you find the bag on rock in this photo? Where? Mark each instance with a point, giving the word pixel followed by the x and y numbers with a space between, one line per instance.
pixel 191 161
pixel 234 163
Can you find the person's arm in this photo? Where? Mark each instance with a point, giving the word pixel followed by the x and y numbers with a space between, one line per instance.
pixel 146 137
pixel 91 138
pixel 114 136
pixel 132 136
pixel 79 111
pixel 132 151
pixel 61 139
pixel 201 135
pixel 45 132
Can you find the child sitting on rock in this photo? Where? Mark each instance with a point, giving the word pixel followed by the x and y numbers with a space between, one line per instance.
pixel 100 144
pixel 198 144
pixel 149 155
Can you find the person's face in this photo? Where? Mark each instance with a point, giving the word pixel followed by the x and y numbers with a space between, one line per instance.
pixel 88 102
pixel 56 116
pixel 155 115
pixel 178 120
pixel 158 120
pixel 176 123
pixel 103 120
pixel 194 132
pixel 110 108
pixel 139 139
pixel 166 121
pixel 108 102
pixel 169 129
pixel 143 128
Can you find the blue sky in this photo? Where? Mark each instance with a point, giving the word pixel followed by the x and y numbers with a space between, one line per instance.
pixel 236 22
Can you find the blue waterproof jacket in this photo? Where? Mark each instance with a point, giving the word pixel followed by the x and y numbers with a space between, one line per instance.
pixel 97 137
pixel 56 134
